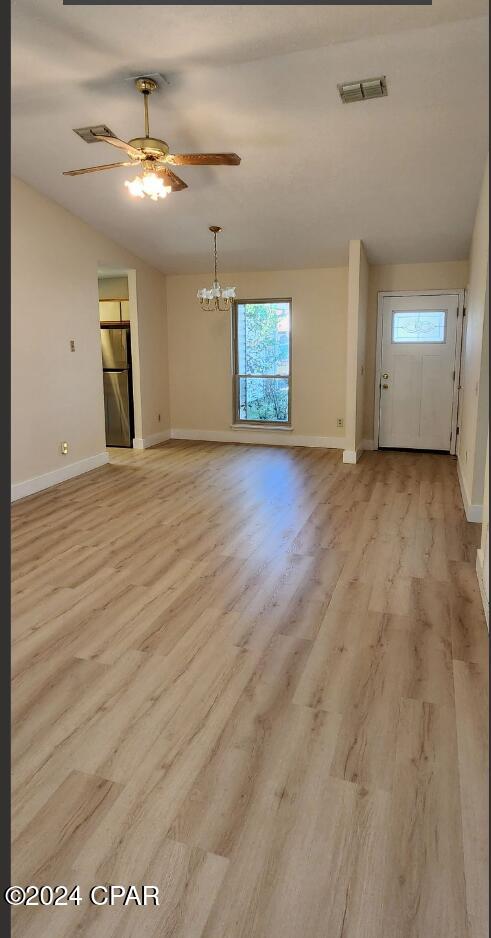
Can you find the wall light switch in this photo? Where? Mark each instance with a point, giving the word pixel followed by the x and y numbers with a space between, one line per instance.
pixel 72 345
pixel 64 448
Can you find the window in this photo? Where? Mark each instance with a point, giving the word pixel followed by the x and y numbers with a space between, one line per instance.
pixel 262 361
pixel 419 326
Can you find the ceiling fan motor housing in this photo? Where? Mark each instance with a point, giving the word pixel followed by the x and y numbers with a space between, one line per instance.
pixel 151 145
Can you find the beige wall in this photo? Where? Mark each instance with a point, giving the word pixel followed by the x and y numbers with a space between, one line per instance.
pixel 475 379
pixel 357 312
pixel 150 348
pixel 200 351
pixel 451 275
pixel 57 394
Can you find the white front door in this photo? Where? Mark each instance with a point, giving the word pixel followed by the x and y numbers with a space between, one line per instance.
pixel 417 382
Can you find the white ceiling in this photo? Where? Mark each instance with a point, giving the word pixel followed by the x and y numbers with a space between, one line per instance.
pixel 401 172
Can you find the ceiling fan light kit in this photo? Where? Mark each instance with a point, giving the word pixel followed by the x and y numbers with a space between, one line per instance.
pixel 216 298
pixel 149 184
pixel 149 153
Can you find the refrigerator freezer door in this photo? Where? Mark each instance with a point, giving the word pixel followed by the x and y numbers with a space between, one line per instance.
pixel 114 344
pixel 117 408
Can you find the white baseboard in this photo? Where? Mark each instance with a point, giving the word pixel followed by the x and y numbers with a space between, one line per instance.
pixel 45 481
pixel 473 512
pixel 152 440
pixel 352 456
pixel 480 580
pixel 258 435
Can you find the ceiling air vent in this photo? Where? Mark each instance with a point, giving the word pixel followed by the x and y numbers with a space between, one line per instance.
pixel 362 90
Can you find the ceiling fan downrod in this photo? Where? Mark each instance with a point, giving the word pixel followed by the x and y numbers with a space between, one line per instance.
pixel 146 86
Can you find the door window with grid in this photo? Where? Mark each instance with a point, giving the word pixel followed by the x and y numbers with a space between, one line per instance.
pixel 262 361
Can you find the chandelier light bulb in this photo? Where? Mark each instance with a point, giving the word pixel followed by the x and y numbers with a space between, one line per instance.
pixel 149 184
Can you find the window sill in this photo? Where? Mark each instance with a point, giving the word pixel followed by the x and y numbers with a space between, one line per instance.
pixel 260 426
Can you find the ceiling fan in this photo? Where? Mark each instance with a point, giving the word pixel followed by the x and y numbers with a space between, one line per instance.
pixel 151 154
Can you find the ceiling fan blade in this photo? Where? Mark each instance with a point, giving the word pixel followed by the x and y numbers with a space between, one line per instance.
pixel 95 169
pixel 116 142
pixel 203 159
pixel 171 179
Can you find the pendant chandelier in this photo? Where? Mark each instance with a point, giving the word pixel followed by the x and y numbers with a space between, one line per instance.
pixel 218 297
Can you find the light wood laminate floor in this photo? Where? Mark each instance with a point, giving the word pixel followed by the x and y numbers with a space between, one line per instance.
pixel 255 677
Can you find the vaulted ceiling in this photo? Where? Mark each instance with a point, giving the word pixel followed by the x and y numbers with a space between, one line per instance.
pixel 401 172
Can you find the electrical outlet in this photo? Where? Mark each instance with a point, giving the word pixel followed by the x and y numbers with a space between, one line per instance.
pixel 72 345
pixel 340 422
pixel 64 448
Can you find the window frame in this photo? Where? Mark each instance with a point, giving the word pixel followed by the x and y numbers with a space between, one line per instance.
pixel 236 375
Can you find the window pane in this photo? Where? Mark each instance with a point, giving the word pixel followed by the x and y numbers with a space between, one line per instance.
pixel 263 399
pixel 263 338
pixel 418 326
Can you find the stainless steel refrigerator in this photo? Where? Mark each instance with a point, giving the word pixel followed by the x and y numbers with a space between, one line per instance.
pixel 118 397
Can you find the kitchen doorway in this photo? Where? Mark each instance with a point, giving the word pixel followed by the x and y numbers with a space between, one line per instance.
pixel 116 361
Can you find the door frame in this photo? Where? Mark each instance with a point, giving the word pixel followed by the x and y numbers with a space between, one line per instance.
pixel 457 361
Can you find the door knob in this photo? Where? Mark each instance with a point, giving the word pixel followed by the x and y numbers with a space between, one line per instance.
pixel 385 385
